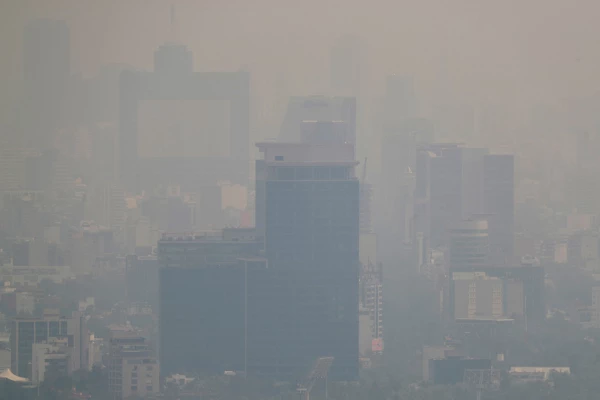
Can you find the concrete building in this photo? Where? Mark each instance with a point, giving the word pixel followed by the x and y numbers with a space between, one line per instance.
pixel 583 250
pixel 95 352
pixel 53 357
pixel 29 331
pixel 307 206
pixel 183 127
pixel 478 297
pixel 372 301
pixel 133 370
pixel 469 243
pixel 497 292
pixel 204 280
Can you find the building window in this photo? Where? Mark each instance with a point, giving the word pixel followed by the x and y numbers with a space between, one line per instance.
pixel 278 158
pixel 134 388
pixel 148 388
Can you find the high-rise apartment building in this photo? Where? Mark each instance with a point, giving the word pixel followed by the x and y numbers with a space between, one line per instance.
pixel 499 204
pixel 307 196
pixel 133 370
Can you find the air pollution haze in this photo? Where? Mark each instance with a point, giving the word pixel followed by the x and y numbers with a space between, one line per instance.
pixel 271 199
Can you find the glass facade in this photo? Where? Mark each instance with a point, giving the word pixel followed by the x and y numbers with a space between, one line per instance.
pixel 305 305
pixel 202 306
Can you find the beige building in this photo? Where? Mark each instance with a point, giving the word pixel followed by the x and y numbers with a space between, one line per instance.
pixel 133 370
pixel 478 297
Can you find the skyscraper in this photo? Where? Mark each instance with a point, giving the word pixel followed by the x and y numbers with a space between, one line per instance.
pixel 46 66
pixel 449 188
pixel 308 196
pixel 499 203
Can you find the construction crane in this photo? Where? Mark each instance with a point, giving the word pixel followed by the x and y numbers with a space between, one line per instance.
pixel 317 373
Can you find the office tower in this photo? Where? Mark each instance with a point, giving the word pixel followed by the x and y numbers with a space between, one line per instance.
pixel 438 191
pixel 46 66
pixel 202 300
pixel 469 243
pixel 133 370
pixel 449 186
pixel 26 332
pixel 499 204
pixel 177 124
pixel 319 109
pixel 399 151
pixel 308 299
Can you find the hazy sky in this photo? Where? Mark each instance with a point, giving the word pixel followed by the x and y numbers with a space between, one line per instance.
pixel 512 53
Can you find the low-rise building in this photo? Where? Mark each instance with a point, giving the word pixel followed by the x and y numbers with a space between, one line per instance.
pixel 536 374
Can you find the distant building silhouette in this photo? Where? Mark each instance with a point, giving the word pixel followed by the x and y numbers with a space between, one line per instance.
pixel 319 109
pixel 499 203
pixel 184 125
pixel 46 67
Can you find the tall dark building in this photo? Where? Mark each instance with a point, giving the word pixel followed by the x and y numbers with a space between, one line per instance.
pixel 305 305
pixel 184 125
pixel 499 204
pixel 449 187
pixel 202 300
pixel 46 66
